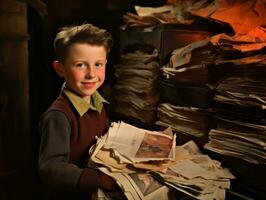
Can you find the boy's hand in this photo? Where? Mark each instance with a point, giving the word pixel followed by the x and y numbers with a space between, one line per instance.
pixel 108 183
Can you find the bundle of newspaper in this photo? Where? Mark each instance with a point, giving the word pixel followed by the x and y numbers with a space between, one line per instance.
pixel 216 58
pixel 136 88
pixel 146 164
pixel 126 146
pixel 196 174
pixel 128 153
pixel 240 115
pixel 150 16
pixel 139 185
pixel 183 119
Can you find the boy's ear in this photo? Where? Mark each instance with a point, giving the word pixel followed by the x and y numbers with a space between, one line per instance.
pixel 58 68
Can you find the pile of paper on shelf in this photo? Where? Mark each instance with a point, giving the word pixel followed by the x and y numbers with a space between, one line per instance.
pixel 183 119
pixel 136 91
pixel 148 164
pixel 240 114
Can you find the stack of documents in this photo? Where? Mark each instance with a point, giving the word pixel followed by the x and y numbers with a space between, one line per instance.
pixel 188 68
pixel 130 145
pixel 149 16
pixel 136 91
pixel 188 120
pixel 213 59
pixel 196 174
pixel 189 13
pixel 236 17
pixel 148 165
pixel 241 131
pixel 189 64
pixel 234 61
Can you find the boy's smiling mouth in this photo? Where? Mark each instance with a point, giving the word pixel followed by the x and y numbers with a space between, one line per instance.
pixel 88 84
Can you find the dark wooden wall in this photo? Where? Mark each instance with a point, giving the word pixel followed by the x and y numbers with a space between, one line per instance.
pixel 16 170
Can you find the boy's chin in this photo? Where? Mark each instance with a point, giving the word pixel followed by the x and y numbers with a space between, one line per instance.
pixel 89 93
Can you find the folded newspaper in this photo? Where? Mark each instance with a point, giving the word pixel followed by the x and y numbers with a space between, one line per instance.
pixel 133 145
pixel 148 165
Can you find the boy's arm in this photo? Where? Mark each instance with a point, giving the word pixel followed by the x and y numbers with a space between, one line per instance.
pixel 54 168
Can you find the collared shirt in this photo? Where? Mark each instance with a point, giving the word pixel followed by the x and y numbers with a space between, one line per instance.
pixel 81 105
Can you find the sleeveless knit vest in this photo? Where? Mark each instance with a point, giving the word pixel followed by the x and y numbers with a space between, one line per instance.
pixel 84 129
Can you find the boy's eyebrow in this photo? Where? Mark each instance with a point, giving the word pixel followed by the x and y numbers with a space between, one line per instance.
pixel 84 60
pixel 103 60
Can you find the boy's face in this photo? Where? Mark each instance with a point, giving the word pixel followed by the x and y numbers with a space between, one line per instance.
pixel 84 69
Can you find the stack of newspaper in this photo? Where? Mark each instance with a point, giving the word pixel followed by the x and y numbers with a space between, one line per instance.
pixel 188 120
pixel 240 113
pixel 136 91
pixel 148 165
pixel 196 174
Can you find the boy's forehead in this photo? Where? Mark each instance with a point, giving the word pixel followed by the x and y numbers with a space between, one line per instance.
pixel 79 51
pixel 79 45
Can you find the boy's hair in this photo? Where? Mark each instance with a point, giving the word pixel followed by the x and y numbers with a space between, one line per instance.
pixel 85 33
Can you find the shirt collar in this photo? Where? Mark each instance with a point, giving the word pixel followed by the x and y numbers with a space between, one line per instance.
pixel 81 105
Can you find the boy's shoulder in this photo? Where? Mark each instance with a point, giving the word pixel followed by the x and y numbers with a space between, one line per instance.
pixel 60 104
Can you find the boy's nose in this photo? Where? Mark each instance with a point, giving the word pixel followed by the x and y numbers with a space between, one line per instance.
pixel 90 73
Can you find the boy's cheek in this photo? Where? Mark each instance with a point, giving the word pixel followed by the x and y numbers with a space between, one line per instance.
pixel 102 78
pixel 101 74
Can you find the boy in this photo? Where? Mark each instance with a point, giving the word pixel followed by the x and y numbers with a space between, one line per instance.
pixel 70 126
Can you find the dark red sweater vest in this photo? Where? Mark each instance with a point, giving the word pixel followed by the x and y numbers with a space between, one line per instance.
pixel 84 129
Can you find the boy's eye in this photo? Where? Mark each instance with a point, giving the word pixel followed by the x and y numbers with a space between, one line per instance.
pixel 80 65
pixel 99 65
